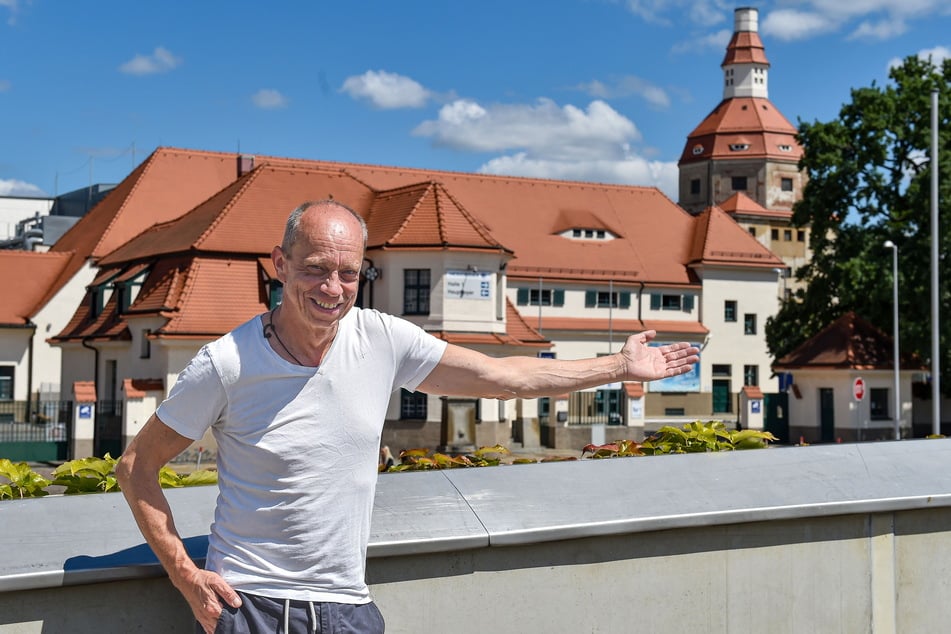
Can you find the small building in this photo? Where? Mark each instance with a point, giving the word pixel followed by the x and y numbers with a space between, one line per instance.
pixel 842 384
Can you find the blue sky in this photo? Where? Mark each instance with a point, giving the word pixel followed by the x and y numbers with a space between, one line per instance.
pixel 599 90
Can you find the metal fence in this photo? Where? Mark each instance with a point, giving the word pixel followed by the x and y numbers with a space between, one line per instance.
pixel 35 430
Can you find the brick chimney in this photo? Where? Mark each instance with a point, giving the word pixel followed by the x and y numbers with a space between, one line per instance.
pixel 245 164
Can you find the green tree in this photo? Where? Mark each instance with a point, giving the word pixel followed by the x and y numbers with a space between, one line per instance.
pixel 869 181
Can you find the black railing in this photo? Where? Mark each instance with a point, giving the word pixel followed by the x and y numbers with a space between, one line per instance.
pixel 35 430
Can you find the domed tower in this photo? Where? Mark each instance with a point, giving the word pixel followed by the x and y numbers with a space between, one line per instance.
pixel 744 156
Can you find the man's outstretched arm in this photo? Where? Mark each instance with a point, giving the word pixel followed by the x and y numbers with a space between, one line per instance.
pixel 465 372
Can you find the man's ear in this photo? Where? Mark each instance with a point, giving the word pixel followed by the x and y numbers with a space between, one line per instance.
pixel 279 261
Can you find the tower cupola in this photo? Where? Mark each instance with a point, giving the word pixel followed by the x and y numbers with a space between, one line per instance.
pixel 745 67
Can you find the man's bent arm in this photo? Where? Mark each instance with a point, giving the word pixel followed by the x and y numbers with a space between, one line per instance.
pixel 137 472
pixel 465 372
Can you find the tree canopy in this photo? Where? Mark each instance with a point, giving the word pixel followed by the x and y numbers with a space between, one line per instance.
pixel 869 181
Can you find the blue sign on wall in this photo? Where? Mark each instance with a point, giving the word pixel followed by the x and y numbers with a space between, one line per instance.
pixel 689 382
pixel 85 411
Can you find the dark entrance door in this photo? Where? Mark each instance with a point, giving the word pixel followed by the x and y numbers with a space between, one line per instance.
pixel 721 396
pixel 826 414
pixel 777 415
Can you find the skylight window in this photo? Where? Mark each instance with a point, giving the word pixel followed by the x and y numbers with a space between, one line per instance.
pixel 785 148
pixel 587 234
pixel 739 147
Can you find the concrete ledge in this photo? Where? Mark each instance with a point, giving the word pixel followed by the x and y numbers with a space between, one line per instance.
pixel 70 540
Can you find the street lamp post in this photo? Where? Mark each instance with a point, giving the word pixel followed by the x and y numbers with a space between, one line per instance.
pixel 894 247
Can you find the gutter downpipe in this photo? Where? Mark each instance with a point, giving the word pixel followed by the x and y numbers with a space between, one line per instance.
pixel 540 305
pixel 29 372
pixel 640 304
pixel 95 381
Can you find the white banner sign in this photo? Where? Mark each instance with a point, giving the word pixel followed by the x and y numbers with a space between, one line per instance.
pixel 468 285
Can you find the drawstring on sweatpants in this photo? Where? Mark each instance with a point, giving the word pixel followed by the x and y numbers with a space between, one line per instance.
pixel 287 616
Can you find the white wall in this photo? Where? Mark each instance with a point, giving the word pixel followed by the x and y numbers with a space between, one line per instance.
pixel 14 343
pixel 755 292
pixel 13 210
pixel 50 321
pixel 849 413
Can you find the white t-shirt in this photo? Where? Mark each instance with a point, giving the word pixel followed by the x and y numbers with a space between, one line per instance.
pixel 298 450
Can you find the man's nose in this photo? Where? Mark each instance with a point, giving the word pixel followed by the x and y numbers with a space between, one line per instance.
pixel 332 285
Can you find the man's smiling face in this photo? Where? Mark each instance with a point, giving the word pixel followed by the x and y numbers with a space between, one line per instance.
pixel 321 273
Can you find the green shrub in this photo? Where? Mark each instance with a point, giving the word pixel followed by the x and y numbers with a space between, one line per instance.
pixel 21 481
pixel 85 475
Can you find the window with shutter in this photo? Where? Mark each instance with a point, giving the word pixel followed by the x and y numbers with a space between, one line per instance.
pixel 559 297
pixel 521 296
pixel 590 299
pixel 655 301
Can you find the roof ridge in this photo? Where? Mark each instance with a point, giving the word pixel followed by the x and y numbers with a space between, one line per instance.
pixel 412 212
pixel 474 222
pixel 248 178
pixel 146 166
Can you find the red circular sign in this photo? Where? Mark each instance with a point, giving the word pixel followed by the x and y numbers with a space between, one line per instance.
pixel 858 389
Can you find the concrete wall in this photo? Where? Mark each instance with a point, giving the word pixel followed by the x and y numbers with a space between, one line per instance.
pixel 835 538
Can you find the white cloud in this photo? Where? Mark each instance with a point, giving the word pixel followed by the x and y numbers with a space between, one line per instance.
pixel 13 187
pixel 703 12
pixel 876 19
pixel 937 55
pixel 541 129
pixel 160 61
pixel 13 6
pixel 714 41
pixel 656 96
pixel 269 99
pixel 630 170
pixel 881 30
pixel 545 140
pixel 790 24
pixel 386 90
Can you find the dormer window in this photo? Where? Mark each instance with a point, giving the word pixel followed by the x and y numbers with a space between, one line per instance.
pixel 739 147
pixel 127 286
pixel 97 300
pixel 697 149
pixel 785 148
pixel 588 234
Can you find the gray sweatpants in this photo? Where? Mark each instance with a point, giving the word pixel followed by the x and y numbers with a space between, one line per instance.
pixel 264 615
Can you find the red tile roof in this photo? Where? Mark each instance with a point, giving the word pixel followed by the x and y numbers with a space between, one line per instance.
pixel 848 342
pixel 634 389
pixel 84 391
pixel 751 121
pixel 425 215
pixel 717 239
pixel 205 263
pixel 138 388
pixel 27 277
pixel 739 204
pixel 752 391
pixel 745 47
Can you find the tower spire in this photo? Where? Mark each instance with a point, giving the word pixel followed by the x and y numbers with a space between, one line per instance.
pixel 745 67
